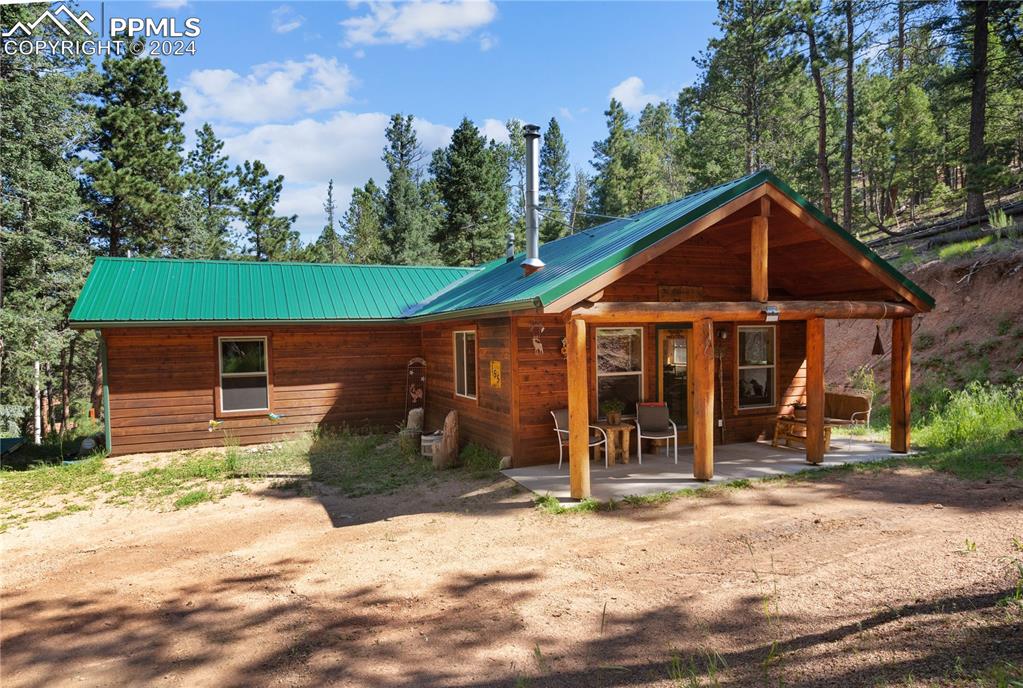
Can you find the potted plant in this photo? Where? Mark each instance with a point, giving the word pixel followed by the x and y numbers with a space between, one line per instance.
pixel 799 411
pixel 612 409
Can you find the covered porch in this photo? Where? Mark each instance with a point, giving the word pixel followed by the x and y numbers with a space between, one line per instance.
pixel 659 473
pixel 705 457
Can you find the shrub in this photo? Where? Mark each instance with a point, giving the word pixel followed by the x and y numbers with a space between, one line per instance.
pixel 978 413
pixel 863 379
pixel 479 462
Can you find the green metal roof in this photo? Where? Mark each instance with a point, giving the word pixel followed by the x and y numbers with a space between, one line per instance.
pixel 575 260
pixel 136 290
pixel 125 290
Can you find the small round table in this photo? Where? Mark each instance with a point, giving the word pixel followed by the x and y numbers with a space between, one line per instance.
pixel 618 435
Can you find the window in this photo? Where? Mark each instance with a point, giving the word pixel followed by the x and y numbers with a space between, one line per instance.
pixel 620 366
pixel 465 364
pixel 756 367
pixel 243 374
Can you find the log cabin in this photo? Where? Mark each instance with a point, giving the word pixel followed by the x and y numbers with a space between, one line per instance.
pixel 714 304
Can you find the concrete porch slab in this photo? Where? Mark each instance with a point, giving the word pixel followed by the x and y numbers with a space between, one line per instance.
pixel 750 460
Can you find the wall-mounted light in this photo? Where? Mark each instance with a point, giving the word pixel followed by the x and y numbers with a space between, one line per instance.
pixel 771 314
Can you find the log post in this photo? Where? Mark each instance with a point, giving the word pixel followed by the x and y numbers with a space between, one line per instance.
pixel 578 410
pixel 703 399
pixel 758 253
pixel 815 390
pixel 899 393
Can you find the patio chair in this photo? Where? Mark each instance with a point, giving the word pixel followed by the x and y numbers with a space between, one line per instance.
pixel 597 437
pixel 653 423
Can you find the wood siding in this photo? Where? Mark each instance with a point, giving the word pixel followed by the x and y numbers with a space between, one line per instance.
pixel 163 381
pixel 542 383
pixel 487 419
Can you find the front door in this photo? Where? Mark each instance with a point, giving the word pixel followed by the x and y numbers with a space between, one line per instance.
pixel 673 378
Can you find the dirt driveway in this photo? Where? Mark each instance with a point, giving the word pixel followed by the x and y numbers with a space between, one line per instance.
pixel 847 581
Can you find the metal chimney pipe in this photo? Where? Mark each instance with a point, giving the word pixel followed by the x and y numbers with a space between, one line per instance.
pixel 532 263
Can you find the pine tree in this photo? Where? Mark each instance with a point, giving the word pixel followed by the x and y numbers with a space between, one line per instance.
pixel 667 140
pixel 579 202
pixel 363 223
pixel 208 207
pixel 44 245
pixel 743 73
pixel 329 247
pixel 471 179
pixel 555 175
pixel 408 225
pixel 270 235
pixel 977 170
pixel 134 179
pixel 516 156
pixel 611 162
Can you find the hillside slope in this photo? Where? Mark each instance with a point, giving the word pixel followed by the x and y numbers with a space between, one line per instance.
pixel 974 332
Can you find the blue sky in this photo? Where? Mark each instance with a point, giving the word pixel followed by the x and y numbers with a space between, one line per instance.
pixel 307 86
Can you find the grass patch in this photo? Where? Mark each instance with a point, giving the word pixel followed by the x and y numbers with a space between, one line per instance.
pixel 977 414
pixel 963 247
pixel 192 498
pixel 479 462
pixel 355 464
pixel 550 505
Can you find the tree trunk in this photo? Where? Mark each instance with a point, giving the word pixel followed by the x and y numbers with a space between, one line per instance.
pixel 849 116
pixel 51 420
pixel 900 60
pixel 37 393
pixel 976 158
pixel 97 384
pixel 67 360
pixel 822 116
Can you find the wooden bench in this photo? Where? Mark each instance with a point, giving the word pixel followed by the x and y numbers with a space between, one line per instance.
pixel 840 408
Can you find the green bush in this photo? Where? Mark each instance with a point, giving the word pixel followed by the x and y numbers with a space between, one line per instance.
pixel 981 412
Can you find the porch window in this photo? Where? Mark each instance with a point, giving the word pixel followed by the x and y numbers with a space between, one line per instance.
pixel 756 368
pixel 465 364
pixel 620 366
pixel 243 374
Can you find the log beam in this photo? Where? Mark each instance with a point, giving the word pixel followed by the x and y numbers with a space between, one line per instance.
pixel 814 390
pixel 758 252
pixel 899 392
pixel 655 311
pixel 578 410
pixel 703 399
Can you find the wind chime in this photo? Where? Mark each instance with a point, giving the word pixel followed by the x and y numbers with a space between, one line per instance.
pixel 878 349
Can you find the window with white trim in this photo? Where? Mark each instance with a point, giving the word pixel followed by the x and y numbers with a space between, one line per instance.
pixel 756 366
pixel 620 366
pixel 465 364
pixel 244 377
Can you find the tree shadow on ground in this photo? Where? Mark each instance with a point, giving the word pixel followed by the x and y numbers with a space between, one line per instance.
pixel 273 632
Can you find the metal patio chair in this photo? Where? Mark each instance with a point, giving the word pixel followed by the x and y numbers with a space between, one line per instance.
pixel 653 423
pixel 597 437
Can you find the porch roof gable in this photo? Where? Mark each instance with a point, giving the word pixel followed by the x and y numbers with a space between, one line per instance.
pixel 575 260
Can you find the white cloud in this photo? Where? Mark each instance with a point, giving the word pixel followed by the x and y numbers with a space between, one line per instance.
pixel 345 147
pixel 170 4
pixel 285 19
pixel 273 91
pixel 415 23
pixel 488 41
pixel 633 95
pixel 495 129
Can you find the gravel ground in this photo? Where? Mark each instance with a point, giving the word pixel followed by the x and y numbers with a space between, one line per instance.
pixel 856 580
